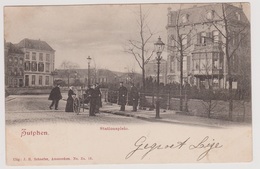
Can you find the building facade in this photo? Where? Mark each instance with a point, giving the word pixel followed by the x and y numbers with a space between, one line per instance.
pixel 14 63
pixel 200 35
pixel 151 69
pixel 39 58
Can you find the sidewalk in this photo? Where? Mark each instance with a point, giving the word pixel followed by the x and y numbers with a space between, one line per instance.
pixel 168 116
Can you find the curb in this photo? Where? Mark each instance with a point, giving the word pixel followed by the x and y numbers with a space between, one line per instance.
pixel 160 119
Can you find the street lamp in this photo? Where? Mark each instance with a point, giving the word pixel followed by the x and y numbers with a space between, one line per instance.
pixel 89 59
pixel 159 46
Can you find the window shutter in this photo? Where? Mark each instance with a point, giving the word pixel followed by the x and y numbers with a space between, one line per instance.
pixel 188 63
pixel 219 37
pixel 210 37
pixel 199 38
pixel 188 40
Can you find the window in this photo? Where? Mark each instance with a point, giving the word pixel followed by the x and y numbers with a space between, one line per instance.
pixel 178 66
pixel 47 80
pixel 27 66
pixel 20 71
pixel 40 57
pixel 215 36
pixel 27 55
pixel 215 61
pixel 40 67
pixel 15 71
pixel 238 16
pixel 10 71
pixel 203 38
pixel 210 15
pixel 184 39
pixel 34 66
pixel 47 67
pixel 47 57
pixel 196 64
pixel 15 60
pixel 21 61
pixel 40 80
pixel 184 64
pixel 15 82
pixel 185 18
pixel 33 56
pixel 33 79
pixel 10 59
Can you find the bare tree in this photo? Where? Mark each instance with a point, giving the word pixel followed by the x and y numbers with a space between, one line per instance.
pixel 209 102
pixel 139 48
pixel 180 43
pixel 233 31
pixel 68 66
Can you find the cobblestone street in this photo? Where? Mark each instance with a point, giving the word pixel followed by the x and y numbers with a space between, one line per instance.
pixel 35 109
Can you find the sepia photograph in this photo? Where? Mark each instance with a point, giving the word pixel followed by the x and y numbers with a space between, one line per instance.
pixel 131 83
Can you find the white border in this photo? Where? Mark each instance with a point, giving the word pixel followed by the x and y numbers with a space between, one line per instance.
pixel 255 60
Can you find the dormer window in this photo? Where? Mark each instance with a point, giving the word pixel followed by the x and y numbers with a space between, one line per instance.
pixel 185 18
pixel 210 15
pixel 238 16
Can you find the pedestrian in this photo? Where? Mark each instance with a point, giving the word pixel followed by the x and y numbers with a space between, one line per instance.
pixel 55 96
pixel 69 105
pixel 122 94
pixel 98 100
pixel 134 95
pixel 92 97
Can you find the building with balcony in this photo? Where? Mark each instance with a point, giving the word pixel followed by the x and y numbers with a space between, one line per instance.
pixel 39 58
pixel 202 35
pixel 151 69
pixel 14 63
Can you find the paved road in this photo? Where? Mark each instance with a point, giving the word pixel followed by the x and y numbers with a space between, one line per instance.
pixel 35 109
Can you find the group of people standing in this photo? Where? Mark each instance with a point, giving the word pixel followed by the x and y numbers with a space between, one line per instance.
pixel 93 97
pixel 122 96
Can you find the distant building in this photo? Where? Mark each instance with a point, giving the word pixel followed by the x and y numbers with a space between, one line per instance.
pixel 101 76
pixel 80 76
pixel 39 58
pixel 205 61
pixel 14 63
pixel 151 69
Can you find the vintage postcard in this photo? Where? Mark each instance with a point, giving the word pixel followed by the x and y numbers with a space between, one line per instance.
pixel 128 83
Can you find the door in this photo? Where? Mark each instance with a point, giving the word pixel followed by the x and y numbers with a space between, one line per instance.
pixel 26 80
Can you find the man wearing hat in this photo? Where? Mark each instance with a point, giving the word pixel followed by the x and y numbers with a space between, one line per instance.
pixel 92 96
pixel 122 95
pixel 134 96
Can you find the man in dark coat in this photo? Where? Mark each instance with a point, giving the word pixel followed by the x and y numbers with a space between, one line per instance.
pixel 92 96
pixel 134 95
pixel 122 95
pixel 55 96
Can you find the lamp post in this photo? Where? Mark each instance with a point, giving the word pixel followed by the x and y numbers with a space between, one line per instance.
pixel 89 59
pixel 159 46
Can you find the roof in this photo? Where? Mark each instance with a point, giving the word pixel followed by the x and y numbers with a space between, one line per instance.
pixel 13 49
pixel 35 44
pixel 197 14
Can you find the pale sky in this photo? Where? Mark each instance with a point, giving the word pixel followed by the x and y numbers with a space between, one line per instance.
pixel 98 31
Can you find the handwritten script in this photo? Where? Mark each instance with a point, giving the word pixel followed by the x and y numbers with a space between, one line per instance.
pixel 206 145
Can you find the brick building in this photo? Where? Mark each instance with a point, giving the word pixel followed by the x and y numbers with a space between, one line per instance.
pixel 14 63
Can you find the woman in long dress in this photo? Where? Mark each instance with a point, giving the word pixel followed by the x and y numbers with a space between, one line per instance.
pixel 69 105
